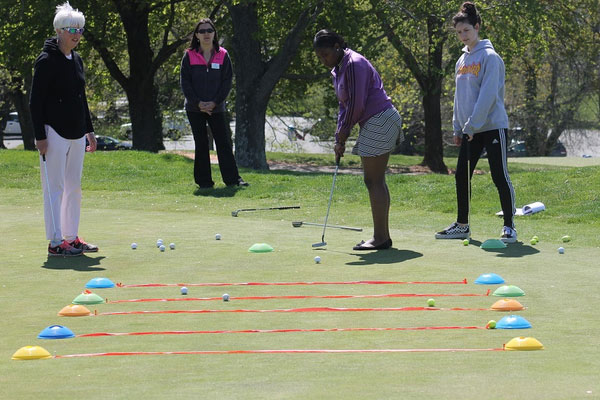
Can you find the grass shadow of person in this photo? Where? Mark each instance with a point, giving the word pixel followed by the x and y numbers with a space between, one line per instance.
pixel 512 250
pixel 80 264
pixel 227 191
pixel 389 256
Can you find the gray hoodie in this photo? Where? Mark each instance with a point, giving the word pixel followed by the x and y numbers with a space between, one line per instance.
pixel 479 94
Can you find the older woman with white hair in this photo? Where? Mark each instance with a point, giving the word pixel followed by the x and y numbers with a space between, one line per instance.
pixel 61 121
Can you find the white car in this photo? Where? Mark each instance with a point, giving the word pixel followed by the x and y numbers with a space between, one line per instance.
pixel 13 127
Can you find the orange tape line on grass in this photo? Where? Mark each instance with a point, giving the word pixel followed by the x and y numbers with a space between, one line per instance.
pixel 463 282
pixel 344 296
pixel 419 328
pixel 283 310
pixel 207 352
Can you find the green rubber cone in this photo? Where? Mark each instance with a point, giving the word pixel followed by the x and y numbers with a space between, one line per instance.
pixel 260 248
pixel 493 244
pixel 508 291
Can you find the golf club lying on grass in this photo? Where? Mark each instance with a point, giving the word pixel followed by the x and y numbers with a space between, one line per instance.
pixel 298 224
pixel 236 212
pixel 322 242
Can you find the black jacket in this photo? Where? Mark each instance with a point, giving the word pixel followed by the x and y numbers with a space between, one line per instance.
pixel 58 94
pixel 202 81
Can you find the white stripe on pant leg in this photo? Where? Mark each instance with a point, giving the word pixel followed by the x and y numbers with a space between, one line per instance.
pixel 55 162
pixel 71 205
pixel 503 143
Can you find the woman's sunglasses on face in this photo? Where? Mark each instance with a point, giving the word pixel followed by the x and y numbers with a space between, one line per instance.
pixel 209 30
pixel 73 31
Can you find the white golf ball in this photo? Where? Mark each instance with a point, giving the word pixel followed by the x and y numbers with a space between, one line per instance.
pixel 218 236
pixel 159 242
pixel 162 247
pixel 172 246
pixel 225 297
pixel 317 259
pixel 134 246
pixel 561 250
pixel 183 290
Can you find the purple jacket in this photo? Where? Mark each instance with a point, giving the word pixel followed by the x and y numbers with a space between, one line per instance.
pixel 359 90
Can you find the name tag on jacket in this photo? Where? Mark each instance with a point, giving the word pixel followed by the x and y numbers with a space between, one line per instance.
pixel 215 66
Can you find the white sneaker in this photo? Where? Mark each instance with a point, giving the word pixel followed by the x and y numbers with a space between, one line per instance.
pixel 454 231
pixel 509 235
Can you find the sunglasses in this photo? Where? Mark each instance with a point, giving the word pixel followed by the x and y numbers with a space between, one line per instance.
pixel 209 30
pixel 73 31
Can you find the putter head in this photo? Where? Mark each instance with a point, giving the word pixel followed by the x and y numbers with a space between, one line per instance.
pixel 296 224
pixel 234 213
pixel 320 244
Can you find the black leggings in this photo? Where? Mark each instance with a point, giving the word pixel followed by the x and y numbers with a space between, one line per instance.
pixel 227 164
pixel 495 143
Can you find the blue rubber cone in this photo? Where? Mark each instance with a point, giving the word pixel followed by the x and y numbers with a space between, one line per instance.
pixel 513 322
pixel 489 279
pixel 99 283
pixel 56 332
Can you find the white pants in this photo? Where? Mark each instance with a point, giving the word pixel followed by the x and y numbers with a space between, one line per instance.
pixel 64 162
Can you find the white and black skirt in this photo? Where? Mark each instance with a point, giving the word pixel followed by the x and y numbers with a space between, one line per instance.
pixel 379 135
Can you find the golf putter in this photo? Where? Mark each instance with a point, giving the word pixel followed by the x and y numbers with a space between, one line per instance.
pixel 323 243
pixel 298 224
pixel 49 196
pixel 236 212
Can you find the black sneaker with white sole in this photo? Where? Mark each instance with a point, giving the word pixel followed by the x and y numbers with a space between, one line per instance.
pixel 509 235
pixel 64 249
pixel 454 231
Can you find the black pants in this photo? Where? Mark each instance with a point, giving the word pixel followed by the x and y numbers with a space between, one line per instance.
pixel 227 165
pixel 495 143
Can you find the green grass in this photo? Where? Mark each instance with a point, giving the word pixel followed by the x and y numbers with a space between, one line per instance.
pixel 134 196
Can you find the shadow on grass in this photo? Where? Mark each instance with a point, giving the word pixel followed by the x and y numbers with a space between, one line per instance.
pixel 518 249
pixel 389 256
pixel 81 264
pixel 228 191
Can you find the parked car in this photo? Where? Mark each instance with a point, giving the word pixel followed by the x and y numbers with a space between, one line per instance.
pixel 518 149
pixel 107 143
pixel 13 127
pixel 175 126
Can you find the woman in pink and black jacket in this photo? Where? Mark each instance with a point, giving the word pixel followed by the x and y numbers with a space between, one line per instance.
pixel 206 76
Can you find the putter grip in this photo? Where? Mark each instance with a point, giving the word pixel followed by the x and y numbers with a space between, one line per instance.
pixel 44 157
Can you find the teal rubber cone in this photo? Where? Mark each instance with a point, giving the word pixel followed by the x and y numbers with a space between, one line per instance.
pixel 508 291
pixel 56 332
pixel 88 297
pixel 260 248
pixel 99 283
pixel 489 279
pixel 513 322
pixel 491 244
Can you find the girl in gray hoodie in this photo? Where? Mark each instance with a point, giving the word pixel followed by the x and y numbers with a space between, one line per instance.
pixel 479 121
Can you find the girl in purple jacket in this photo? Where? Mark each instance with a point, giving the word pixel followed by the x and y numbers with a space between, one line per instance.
pixel 363 101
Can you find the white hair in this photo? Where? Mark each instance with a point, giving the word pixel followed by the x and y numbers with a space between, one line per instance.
pixel 68 17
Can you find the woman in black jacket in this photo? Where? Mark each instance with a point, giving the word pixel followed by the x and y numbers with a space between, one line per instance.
pixel 61 122
pixel 206 76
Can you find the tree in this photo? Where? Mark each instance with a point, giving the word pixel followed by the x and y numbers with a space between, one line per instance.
pixel 154 30
pixel 260 62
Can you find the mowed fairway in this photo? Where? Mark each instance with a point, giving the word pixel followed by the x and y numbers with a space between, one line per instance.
pixel 138 197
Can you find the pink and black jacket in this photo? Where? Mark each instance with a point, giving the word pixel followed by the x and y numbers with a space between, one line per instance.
pixel 206 81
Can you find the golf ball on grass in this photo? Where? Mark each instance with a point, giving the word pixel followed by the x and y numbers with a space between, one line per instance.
pixel 431 302
pixel 183 290
pixel 172 246
pixel 218 236
pixel 159 242
pixel 465 242
pixel 566 238
pixel 162 247
pixel 318 259
pixel 561 250
pixel 134 246
pixel 225 297
pixel 533 242
pixel 491 324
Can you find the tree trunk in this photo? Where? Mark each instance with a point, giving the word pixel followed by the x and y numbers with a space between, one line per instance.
pixel 256 79
pixel 434 148
pixel 20 100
